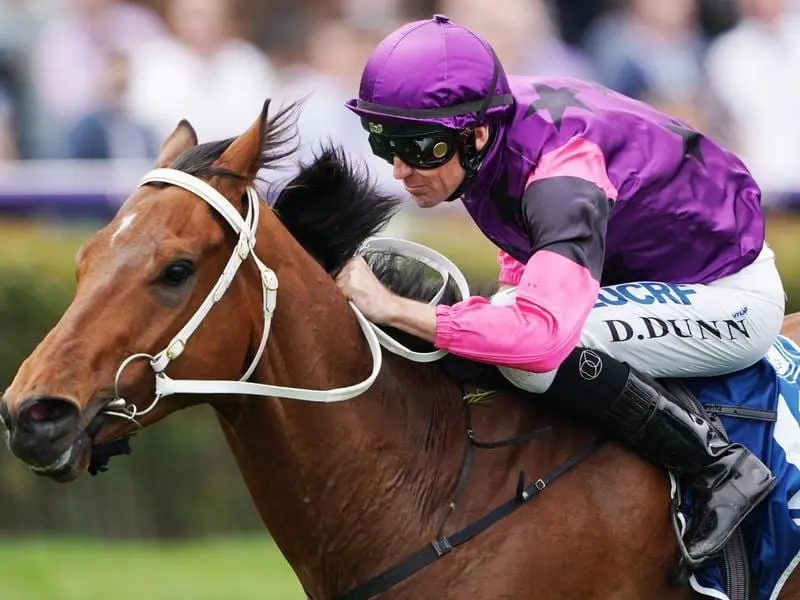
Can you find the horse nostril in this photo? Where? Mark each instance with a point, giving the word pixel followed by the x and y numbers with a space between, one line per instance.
pixel 50 417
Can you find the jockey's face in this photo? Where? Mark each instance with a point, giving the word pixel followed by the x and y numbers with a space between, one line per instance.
pixel 430 187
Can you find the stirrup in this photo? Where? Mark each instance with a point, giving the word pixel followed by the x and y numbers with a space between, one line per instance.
pixel 680 573
pixel 686 564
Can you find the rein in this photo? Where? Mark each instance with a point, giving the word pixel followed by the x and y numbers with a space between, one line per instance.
pixel 246 227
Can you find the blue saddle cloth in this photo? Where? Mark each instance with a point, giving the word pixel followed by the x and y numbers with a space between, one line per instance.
pixel 772 530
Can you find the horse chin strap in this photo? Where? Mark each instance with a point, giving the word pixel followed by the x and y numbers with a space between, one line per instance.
pixel 245 248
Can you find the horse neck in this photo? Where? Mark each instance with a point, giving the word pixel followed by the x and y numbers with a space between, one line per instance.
pixel 342 485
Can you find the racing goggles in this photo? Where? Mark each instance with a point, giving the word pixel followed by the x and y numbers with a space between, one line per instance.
pixel 423 148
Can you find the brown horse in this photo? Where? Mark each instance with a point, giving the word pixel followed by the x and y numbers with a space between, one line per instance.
pixel 347 489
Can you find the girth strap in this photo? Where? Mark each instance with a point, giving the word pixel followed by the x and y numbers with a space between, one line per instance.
pixel 442 546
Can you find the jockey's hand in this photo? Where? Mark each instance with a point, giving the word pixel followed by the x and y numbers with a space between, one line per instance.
pixel 359 284
pixel 380 305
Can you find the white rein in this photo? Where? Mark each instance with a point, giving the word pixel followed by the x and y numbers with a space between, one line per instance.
pixel 245 248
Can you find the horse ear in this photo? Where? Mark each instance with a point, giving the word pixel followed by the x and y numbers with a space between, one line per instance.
pixel 243 158
pixel 179 141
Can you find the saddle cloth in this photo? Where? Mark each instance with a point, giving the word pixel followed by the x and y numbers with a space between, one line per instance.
pixel 772 531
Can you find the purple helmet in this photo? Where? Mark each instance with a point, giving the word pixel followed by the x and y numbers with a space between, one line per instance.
pixel 435 72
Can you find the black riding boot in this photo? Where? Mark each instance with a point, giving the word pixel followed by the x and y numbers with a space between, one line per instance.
pixel 728 480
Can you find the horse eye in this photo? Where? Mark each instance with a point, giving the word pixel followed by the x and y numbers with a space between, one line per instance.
pixel 177 273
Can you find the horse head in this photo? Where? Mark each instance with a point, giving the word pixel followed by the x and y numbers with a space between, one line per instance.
pixel 146 283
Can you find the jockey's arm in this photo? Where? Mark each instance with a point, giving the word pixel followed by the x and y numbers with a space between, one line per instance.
pixel 565 209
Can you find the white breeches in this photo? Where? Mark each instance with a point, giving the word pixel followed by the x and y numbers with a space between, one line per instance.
pixel 680 330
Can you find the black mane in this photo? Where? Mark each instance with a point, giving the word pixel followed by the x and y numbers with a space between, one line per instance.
pixel 331 207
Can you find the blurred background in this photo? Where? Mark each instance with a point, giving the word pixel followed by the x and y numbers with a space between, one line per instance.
pixel 89 88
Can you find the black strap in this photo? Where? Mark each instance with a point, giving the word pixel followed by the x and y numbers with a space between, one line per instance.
pixel 463 475
pixel 520 439
pixel 741 412
pixel 472 443
pixel 735 567
pixel 435 113
pixel 438 548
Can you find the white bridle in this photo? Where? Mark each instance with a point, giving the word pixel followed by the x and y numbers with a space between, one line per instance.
pixel 245 247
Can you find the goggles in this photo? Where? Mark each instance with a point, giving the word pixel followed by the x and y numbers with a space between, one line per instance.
pixel 425 149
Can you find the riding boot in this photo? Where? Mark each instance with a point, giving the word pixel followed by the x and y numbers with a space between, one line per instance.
pixel 728 480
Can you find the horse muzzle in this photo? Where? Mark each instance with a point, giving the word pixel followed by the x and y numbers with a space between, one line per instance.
pixel 46 433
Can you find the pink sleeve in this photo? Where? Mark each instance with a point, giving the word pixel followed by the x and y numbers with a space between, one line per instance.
pixel 510 268
pixel 537 332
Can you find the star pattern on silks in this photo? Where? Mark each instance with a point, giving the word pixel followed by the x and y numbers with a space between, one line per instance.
pixel 691 140
pixel 554 100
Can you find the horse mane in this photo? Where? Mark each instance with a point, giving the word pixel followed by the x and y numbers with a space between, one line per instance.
pixel 331 207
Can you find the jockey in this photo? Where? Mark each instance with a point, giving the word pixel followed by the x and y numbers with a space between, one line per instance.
pixel 630 247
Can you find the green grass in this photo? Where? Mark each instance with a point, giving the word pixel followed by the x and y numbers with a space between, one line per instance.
pixel 227 569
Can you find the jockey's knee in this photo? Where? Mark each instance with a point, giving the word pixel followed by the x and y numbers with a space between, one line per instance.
pixel 766 323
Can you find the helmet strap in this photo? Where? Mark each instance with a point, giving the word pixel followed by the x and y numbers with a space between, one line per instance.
pixel 470 158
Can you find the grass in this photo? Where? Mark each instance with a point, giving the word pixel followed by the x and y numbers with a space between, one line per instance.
pixel 225 569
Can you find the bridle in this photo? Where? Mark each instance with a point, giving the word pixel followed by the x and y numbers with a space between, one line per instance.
pixel 245 227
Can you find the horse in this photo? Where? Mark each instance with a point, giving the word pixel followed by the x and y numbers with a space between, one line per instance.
pixel 348 489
